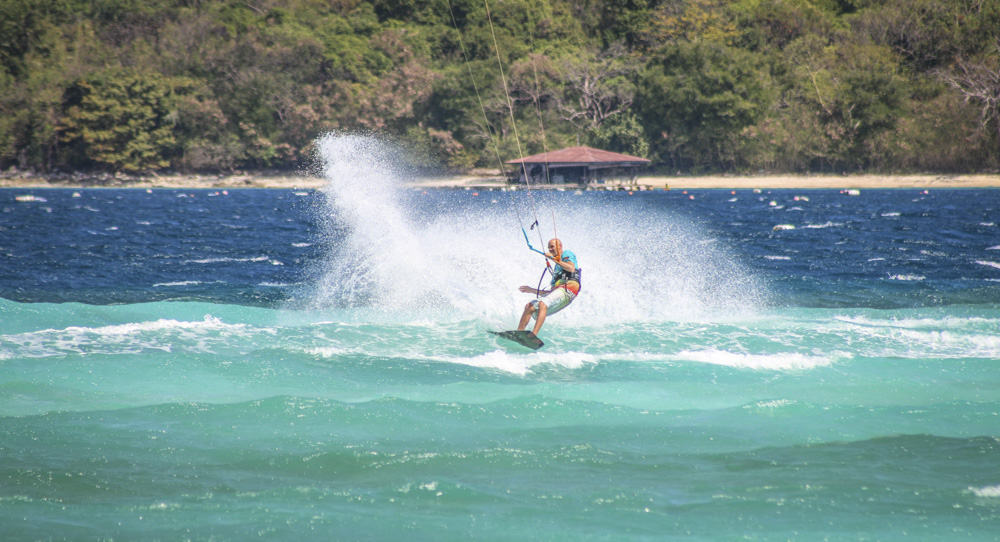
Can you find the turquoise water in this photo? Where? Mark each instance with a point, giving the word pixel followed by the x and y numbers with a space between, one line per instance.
pixel 314 365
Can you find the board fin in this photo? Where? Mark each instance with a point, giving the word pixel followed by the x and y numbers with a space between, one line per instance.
pixel 524 338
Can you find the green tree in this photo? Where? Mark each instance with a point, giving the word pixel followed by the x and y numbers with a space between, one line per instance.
pixel 844 98
pixel 622 133
pixel 770 25
pixel 713 84
pixel 121 120
pixel 31 104
pixel 694 99
pixel 927 34
pixel 691 21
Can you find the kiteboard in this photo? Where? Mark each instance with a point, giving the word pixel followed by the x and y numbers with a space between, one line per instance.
pixel 524 338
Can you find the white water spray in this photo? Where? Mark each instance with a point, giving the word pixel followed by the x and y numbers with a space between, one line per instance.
pixel 466 261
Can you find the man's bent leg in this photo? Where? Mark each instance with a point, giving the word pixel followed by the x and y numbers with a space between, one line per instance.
pixel 540 317
pixel 528 309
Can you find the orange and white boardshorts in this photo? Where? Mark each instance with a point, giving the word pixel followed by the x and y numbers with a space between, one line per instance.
pixel 559 298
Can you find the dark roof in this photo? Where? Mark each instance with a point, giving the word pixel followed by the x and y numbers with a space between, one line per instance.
pixel 582 156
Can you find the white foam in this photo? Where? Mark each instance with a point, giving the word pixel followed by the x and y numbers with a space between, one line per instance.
pixel 772 404
pixel 327 351
pixel 907 277
pixel 824 225
pixel 987 492
pixel 522 364
pixel 209 323
pixel 772 362
pixel 988 263
pixel 178 283
pixel 162 334
pixel 950 337
pixel 948 322
pixel 505 361
pixel 228 260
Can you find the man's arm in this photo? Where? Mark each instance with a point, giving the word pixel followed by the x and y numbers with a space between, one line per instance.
pixel 566 265
pixel 530 290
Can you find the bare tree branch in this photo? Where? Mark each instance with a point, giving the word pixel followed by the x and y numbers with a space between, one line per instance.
pixel 598 86
pixel 979 83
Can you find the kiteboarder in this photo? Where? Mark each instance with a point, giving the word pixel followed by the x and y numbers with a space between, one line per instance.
pixel 563 289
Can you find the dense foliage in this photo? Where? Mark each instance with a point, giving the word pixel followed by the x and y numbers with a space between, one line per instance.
pixel 696 85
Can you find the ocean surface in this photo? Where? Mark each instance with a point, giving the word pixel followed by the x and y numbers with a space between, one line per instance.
pixel 315 365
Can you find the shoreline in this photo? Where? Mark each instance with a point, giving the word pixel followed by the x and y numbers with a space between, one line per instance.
pixel 481 182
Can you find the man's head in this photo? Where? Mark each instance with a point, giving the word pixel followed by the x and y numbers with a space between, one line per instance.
pixel 555 247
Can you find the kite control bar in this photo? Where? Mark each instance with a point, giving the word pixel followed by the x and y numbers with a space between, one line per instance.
pixel 529 242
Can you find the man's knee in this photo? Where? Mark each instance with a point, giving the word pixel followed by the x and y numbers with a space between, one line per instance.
pixel 535 306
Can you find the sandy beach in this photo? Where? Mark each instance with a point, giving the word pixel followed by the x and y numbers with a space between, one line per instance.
pixel 483 182
pixel 735 182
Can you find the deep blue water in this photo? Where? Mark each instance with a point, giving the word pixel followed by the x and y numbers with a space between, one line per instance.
pixel 280 364
pixel 889 248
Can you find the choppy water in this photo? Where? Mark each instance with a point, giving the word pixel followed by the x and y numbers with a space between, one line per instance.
pixel 277 364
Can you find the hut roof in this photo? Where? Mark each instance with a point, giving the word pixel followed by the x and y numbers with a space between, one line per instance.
pixel 582 156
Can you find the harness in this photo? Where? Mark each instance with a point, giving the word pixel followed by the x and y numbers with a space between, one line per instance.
pixel 561 276
pixel 561 279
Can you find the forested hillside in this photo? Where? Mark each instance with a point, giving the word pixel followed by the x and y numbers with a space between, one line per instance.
pixel 695 85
